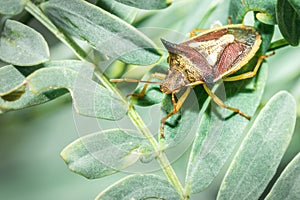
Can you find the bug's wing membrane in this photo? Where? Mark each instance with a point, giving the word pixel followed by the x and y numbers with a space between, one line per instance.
pixel 213 52
pixel 232 54
pixel 247 42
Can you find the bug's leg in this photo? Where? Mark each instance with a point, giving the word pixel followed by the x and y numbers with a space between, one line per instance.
pixel 177 105
pixel 220 103
pixel 194 83
pixel 142 93
pixel 194 32
pixel 229 20
pixel 248 74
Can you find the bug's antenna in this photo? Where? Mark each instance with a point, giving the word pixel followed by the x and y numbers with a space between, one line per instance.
pixel 132 81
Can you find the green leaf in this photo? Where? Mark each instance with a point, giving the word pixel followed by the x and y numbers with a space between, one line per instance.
pixel 266 32
pixel 217 137
pixel 11 7
pixel 288 17
pixel 260 153
pixel 16 96
pixel 104 153
pixel 104 31
pixel 287 185
pixel 89 98
pixel 10 79
pixel 53 81
pixel 238 9
pixel 29 99
pixel 146 4
pixel 153 95
pixel 296 5
pixel 76 65
pixel 21 45
pixel 122 11
pixel 140 187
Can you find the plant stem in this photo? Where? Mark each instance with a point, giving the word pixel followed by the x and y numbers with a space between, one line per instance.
pixel 132 113
pixel 161 156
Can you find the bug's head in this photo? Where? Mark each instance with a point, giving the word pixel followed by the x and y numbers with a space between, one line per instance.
pixel 173 82
pixel 175 79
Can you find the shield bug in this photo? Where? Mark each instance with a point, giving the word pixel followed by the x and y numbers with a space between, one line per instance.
pixel 204 59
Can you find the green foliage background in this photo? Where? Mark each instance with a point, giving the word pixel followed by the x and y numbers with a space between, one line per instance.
pixel 31 140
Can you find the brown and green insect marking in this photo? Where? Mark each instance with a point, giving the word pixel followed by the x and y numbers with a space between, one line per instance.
pixel 204 59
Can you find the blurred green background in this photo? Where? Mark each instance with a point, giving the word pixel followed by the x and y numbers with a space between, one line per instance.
pixel 30 145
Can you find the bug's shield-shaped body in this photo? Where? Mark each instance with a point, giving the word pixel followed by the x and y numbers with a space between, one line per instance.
pixel 209 56
pixel 204 59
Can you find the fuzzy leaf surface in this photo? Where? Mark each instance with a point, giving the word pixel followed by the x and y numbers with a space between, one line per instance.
pixel 89 98
pixel 10 79
pixel 146 4
pixel 261 151
pixel 140 187
pixel 22 45
pixel 11 7
pixel 105 32
pixel 287 185
pixel 103 153
pixel 29 99
pixel 15 96
pixel 53 79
